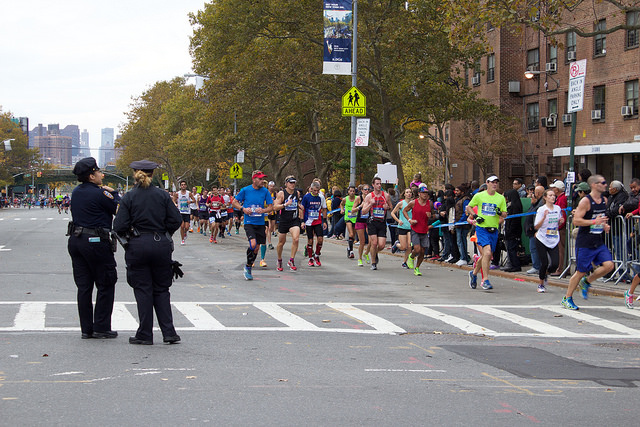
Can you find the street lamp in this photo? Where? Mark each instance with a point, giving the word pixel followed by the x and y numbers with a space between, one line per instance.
pixel 530 74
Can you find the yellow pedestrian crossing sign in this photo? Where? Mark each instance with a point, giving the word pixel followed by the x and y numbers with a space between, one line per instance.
pixel 235 172
pixel 354 103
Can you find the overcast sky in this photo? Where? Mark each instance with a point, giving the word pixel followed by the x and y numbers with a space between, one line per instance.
pixel 80 62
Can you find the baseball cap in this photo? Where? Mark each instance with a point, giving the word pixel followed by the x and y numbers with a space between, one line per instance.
pixel 558 184
pixel 493 178
pixel 583 186
pixel 258 174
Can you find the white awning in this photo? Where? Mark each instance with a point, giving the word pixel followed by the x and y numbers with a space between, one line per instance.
pixel 585 150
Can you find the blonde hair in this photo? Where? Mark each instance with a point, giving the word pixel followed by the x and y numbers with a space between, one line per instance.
pixel 143 179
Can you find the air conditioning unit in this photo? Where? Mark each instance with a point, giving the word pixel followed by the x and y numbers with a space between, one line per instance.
pixel 543 122
pixel 475 80
pixel 571 55
pixel 566 118
pixel 626 111
pixel 514 86
pixel 596 114
pixel 551 121
pixel 551 67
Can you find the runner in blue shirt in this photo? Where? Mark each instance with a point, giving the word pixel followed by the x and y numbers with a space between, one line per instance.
pixel 254 201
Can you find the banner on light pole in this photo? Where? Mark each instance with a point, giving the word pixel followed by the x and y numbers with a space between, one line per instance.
pixel 338 34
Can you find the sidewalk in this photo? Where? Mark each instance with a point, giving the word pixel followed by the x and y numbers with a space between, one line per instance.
pixel 597 288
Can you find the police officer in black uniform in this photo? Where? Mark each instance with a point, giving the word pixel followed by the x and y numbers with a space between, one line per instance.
pixel 92 208
pixel 147 217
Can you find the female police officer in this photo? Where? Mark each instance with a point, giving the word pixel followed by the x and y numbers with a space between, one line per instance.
pixel 92 209
pixel 147 214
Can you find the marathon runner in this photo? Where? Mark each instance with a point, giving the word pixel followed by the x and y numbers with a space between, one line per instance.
pixel 215 203
pixel 346 208
pixel 252 200
pixel 288 203
pixel 315 222
pixel 203 212
pixel 182 199
pixel 193 206
pixel 376 204
pixel 421 213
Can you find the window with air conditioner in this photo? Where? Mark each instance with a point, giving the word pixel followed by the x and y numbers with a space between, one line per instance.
pixel 631 97
pixel 551 67
pixel 595 114
pixel 570 46
pixel 599 98
pixel 533 59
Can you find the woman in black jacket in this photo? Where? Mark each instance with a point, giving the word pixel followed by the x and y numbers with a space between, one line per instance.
pixel 513 229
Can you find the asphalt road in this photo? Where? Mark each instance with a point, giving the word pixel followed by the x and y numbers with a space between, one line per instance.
pixel 334 345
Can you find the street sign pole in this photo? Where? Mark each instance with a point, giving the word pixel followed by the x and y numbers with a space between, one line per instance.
pixel 354 83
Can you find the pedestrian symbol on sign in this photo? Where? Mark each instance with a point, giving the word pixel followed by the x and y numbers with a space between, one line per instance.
pixel 235 172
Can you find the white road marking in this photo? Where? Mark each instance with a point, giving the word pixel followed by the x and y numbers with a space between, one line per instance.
pixel 31 316
pixel 286 317
pixel 457 322
pixel 197 315
pixel 2 249
pixel 372 320
pixel 536 325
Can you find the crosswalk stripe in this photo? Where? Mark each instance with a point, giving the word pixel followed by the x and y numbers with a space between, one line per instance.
pixel 595 320
pixel 372 320
pixel 462 324
pixel 536 325
pixel 30 317
pixel 122 319
pixel 197 315
pixel 286 317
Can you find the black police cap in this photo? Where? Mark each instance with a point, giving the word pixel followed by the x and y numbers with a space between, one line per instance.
pixel 84 166
pixel 145 165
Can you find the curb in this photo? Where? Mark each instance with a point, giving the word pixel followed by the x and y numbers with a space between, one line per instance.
pixel 520 277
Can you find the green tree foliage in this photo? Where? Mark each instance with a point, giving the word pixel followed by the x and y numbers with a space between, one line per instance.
pixel 165 125
pixel 469 18
pixel 20 158
pixel 264 62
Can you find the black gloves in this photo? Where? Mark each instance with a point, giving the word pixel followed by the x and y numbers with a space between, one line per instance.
pixel 177 272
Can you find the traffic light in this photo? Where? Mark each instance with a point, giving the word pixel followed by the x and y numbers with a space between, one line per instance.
pixel 39 174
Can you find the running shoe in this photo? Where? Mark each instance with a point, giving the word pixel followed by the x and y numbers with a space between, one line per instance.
pixel 198 229
pixel 628 299
pixel 360 264
pixel 215 241
pixel 279 265
pixel 416 271
pixel 404 265
pixel 541 289
pixel 247 273
pixel 229 233
pixel 367 258
pixel 568 303
pixel 584 287
pixel 317 260
pixel 263 263
pixel 350 255
pixel 311 264
pixel 486 285
pixel 190 230
pixel 394 248
pixel 211 239
pixel 292 266
pixel 237 231
pixel 473 280
pixel 182 242
pixel 374 266
pixel 270 246
pixel 410 262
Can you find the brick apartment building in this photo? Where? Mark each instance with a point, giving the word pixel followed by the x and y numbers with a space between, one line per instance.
pixel 607 129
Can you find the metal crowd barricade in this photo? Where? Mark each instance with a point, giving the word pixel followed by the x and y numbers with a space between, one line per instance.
pixel 632 245
pixel 623 242
pixel 570 247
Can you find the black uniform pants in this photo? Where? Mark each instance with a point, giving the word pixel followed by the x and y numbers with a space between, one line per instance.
pixel 149 273
pixel 93 264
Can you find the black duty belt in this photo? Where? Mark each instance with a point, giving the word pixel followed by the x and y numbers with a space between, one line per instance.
pixel 91 232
